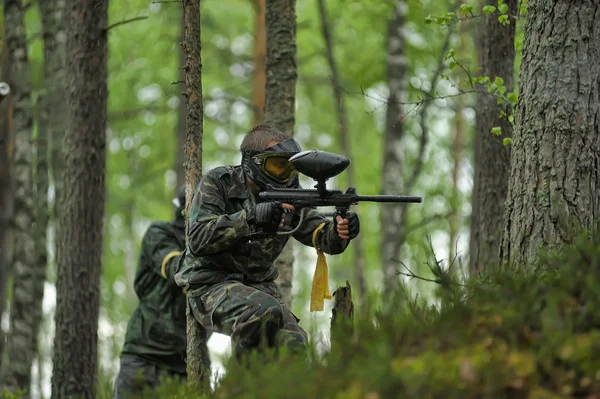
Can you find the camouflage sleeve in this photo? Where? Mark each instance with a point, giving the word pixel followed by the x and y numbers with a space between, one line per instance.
pixel 162 251
pixel 327 239
pixel 211 230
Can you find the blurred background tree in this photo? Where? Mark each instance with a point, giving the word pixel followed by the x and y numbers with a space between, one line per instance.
pixel 382 51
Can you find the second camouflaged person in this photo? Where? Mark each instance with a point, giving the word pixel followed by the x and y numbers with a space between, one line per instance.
pixel 229 268
pixel 155 342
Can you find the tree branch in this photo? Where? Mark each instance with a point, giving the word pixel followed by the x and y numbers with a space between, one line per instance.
pixel 126 21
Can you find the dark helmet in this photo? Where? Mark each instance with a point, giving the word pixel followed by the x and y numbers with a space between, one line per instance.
pixel 271 166
pixel 179 202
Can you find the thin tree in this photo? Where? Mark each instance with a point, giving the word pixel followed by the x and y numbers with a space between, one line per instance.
pixel 259 76
pixel 344 132
pixel 198 360
pixel 495 45
pixel 21 342
pixel 393 153
pixel 280 95
pixel 181 114
pixel 555 156
pixel 81 202
pixel 6 201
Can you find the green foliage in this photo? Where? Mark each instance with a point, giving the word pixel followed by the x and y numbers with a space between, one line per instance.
pixel 513 333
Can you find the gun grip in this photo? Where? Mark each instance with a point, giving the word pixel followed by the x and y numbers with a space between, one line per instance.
pixel 339 212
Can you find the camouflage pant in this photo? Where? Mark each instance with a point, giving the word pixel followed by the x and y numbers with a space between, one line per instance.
pixel 251 314
pixel 136 374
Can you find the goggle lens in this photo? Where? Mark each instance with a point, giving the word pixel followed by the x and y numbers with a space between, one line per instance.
pixel 278 167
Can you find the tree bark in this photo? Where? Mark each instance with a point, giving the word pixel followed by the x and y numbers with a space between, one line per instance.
pixel 6 198
pixel 81 202
pixel 344 131
pixel 342 314
pixel 496 49
pixel 280 22
pixel 260 57
pixel 182 114
pixel 392 219
pixel 555 164
pixel 198 360
pixel 21 340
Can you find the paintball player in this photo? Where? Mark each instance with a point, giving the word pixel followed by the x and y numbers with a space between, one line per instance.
pixel 229 269
pixel 155 342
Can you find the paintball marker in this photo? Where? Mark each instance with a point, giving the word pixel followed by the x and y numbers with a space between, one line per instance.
pixel 321 166
pixel 4 90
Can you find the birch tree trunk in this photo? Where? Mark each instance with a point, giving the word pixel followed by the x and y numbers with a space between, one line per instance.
pixel 554 183
pixel 392 219
pixel 198 360
pixel 495 44
pixel 81 202
pixel 282 72
pixel 21 342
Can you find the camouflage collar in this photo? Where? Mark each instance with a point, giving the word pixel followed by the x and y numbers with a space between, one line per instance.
pixel 237 189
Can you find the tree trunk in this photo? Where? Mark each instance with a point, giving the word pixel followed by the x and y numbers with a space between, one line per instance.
pixel 342 120
pixel 259 80
pixel 81 202
pixel 393 152
pixel 6 199
pixel 491 157
pixel 198 360
pixel 280 21
pixel 342 315
pixel 21 342
pixel 555 166
pixel 181 115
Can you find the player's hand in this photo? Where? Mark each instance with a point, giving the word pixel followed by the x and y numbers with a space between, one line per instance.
pixel 269 216
pixel 348 227
pixel 288 207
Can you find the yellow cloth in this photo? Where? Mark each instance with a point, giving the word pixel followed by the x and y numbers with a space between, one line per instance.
pixel 320 284
pixel 163 267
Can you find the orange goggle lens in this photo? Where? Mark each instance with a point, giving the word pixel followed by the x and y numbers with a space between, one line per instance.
pixel 277 166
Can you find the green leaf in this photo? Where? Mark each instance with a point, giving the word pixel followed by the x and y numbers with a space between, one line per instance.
pixel 450 54
pixel 512 97
pixel 498 81
pixel 504 20
pixel 507 141
pixel 503 8
pixel 451 65
pixel 466 9
pixel 487 10
pixel 429 19
pixel 497 130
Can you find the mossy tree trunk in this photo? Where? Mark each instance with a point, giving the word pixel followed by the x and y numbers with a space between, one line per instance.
pixel 6 198
pixel 81 202
pixel 21 342
pixel 392 219
pixel 198 360
pixel 554 182
pixel 495 45
pixel 282 72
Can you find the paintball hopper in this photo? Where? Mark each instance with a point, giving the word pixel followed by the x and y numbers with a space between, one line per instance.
pixel 319 165
pixel 4 90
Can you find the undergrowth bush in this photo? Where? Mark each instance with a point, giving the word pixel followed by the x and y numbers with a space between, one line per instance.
pixel 511 334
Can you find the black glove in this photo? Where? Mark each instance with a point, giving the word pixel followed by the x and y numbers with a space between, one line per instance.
pixel 266 216
pixel 353 224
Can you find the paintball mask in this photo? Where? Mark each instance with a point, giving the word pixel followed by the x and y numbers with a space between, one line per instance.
pixel 272 165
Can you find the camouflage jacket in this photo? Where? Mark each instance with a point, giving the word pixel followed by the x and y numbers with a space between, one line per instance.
pixel 157 329
pixel 221 245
